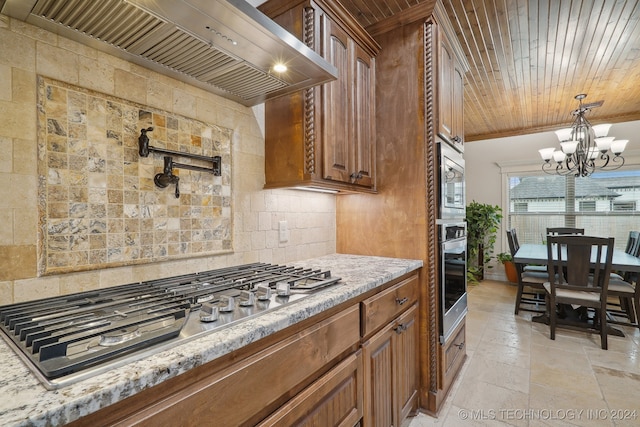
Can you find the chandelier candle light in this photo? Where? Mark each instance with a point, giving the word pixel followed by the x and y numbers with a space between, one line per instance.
pixel 584 148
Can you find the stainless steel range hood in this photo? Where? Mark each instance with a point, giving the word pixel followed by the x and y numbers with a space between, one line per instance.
pixel 227 47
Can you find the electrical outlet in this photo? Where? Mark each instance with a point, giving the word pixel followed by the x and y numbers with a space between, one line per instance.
pixel 283 231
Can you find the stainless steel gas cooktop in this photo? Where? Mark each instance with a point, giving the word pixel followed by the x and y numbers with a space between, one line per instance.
pixel 68 338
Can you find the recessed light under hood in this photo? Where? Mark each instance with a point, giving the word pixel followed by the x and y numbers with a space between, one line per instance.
pixel 227 47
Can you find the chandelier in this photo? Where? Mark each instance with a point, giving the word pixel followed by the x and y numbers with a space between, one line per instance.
pixel 584 148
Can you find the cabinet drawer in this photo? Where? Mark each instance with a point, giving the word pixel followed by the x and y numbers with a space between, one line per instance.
pixel 380 309
pixel 452 357
pixel 333 400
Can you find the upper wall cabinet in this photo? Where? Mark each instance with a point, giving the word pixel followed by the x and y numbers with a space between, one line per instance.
pixel 324 137
pixel 451 99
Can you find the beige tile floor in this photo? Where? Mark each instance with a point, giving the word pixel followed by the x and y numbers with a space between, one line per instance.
pixel 516 376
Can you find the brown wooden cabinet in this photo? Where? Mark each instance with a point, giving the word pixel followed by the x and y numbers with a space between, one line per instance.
pixel 391 355
pixel 313 373
pixel 452 355
pixel 406 365
pixel 400 220
pixel 318 364
pixel 324 137
pixel 451 95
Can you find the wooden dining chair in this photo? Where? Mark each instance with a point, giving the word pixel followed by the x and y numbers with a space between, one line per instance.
pixel 563 231
pixel 514 245
pixel 625 287
pixel 578 280
pixel 629 307
pixel 633 243
pixel 530 279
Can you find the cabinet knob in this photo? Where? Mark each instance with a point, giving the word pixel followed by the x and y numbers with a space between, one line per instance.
pixel 400 328
pixel 457 139
pixel 356 176
pixel 460 346
pixel 402 301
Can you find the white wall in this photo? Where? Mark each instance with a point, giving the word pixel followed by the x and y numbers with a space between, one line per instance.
pixel 486 161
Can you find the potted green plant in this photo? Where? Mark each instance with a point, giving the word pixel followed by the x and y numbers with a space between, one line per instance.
pixel 483 221
pixel 509 266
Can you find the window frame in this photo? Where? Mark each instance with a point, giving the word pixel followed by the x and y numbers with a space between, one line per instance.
pixel 523 171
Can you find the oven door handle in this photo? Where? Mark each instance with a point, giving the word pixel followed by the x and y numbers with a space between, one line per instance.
pixel 460 242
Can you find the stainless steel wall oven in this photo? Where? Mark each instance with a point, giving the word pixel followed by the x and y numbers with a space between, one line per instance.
pixel 453 276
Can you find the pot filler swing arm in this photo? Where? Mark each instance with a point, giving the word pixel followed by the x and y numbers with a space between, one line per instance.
pixel 167 177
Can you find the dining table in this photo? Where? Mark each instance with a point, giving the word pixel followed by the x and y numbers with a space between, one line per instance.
pixel 537 254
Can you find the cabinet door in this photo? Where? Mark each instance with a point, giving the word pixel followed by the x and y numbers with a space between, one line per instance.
pixel 406 361
pixel 391 372
pixel 363 119
pixel 378 379
pixel 445 91
pixel 337 95
pixel 457 98
pixel 450 96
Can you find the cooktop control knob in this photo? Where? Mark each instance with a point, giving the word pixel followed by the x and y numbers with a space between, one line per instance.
pixel 263 292
pixel 283 289
pixel 209 312
pixel 226 304
pixel 247 299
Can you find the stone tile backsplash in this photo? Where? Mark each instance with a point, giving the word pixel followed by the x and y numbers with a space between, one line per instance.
pixel 98 204
pixel 29 52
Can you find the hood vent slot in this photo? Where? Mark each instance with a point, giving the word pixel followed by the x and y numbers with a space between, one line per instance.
pixel 143 35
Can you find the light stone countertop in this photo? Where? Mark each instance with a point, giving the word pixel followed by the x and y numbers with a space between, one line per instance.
pixel 26 402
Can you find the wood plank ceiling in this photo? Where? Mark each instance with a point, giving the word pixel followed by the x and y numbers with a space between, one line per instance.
pixel 529 58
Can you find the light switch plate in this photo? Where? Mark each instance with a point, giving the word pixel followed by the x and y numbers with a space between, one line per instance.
pixel 283 231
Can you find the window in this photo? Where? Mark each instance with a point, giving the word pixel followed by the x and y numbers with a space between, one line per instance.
pixel 606 204
pixel 587 206
pixel 520 207
pixel 628 206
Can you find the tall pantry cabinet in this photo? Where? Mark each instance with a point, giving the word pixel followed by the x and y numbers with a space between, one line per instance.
pixel 324 137
pixel 418 104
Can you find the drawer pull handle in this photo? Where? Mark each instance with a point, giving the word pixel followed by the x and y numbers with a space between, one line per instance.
pixel 402 301
pixel 400 328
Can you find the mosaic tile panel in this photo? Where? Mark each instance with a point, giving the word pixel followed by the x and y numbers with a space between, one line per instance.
pixel 98 204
